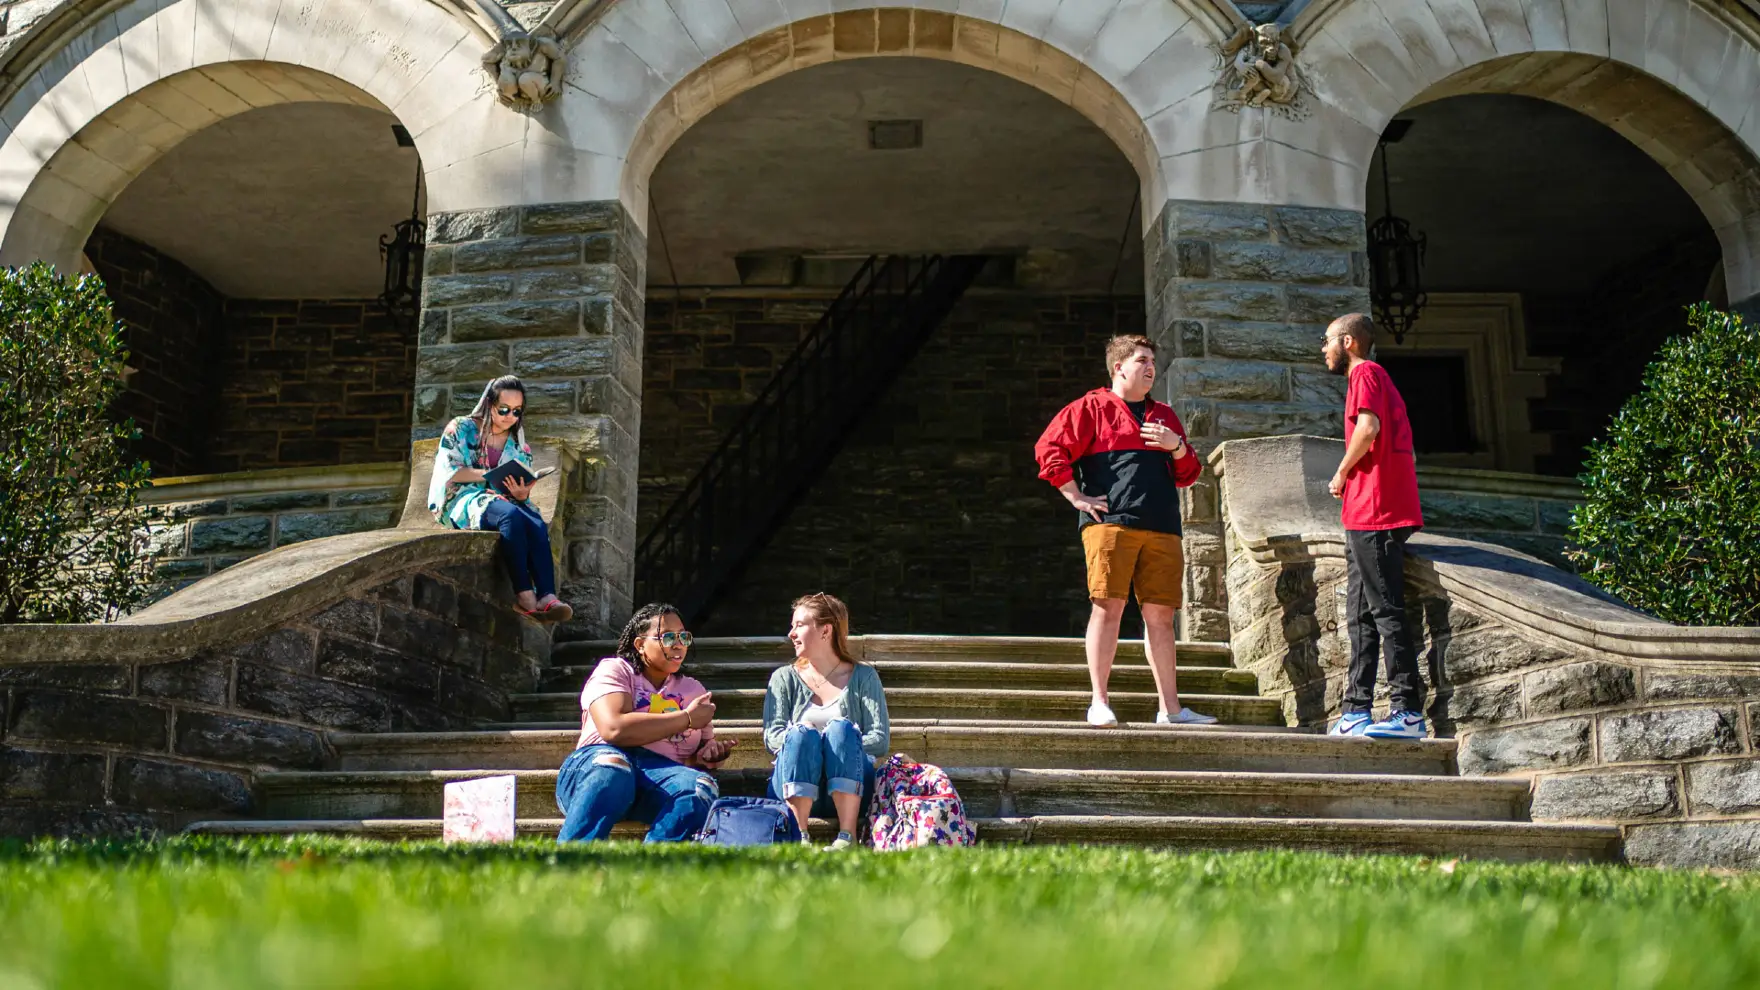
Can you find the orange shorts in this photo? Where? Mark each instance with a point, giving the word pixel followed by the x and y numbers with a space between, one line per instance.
pixel 1120 557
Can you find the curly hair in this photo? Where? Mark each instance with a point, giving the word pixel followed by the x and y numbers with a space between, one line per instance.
pixel 640 624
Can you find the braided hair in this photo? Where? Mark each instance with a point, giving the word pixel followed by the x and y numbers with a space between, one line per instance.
pixel 640 624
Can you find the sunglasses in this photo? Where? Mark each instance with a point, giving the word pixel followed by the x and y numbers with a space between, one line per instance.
pixel 517 412
pixel 668 640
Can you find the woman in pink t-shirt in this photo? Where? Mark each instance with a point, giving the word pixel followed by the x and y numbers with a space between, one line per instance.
pixel 647 739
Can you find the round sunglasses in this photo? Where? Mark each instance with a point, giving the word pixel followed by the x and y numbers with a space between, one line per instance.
pixel 670 639
pixel 517 412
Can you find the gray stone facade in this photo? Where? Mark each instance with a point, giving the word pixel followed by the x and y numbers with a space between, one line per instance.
pixel 932 517
pixel 1614 716
pixel 551 293
pixel 146 745
pixel 1239 296
pixel 209 524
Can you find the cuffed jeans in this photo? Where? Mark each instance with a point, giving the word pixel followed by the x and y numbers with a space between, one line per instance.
pixel 525 545
pixel 815 764
pixel 1375 602
pixel 602 785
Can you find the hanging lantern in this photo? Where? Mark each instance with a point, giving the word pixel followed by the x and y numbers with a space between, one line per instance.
pixel 404 252
pixel 1396 257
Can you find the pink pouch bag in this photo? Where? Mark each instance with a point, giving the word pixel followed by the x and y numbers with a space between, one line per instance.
pixel 915 806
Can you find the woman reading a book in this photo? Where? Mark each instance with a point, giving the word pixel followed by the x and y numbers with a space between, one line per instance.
pixel 482 478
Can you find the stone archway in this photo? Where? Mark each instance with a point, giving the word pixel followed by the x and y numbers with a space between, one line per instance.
pixel 1680 82
pixel 99 104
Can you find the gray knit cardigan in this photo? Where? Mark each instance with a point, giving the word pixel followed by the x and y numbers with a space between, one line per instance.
pixel 864 701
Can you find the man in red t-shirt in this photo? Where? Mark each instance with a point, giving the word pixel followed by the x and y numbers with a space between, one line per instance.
pixel 1378 481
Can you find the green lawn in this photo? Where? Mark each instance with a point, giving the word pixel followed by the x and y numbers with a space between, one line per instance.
pixel 201 913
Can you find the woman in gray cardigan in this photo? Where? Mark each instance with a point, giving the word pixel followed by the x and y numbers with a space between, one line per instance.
pixel 825 719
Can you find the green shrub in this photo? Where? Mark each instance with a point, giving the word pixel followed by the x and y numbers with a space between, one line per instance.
pixel 1671 516
pixel 73 544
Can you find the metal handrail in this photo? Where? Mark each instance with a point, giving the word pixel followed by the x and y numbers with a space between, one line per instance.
pixel 792 430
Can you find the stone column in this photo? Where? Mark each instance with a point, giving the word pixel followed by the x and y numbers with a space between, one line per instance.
pixel 1238 301
pixel 553 294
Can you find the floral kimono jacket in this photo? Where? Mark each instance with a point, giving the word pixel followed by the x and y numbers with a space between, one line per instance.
pixel 461 446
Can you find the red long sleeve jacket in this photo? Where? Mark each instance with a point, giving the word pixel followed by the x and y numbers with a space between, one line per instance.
pixel 1097 441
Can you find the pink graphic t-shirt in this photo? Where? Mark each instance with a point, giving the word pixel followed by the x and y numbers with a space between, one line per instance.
pixel 615 676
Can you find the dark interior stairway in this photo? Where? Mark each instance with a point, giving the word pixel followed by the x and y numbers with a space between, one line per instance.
pixel 744 491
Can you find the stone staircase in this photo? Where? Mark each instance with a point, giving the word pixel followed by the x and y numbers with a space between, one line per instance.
pixel 1003 714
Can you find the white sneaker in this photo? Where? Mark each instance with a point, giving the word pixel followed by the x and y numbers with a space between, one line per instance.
pixel 1100 714
pixel 843 841
pixel 1185 717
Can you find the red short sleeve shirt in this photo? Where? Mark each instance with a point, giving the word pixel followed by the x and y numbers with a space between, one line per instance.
pixel 1381 492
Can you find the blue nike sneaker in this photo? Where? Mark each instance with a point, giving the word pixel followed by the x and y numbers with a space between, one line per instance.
pixel 1399 725
pixel 1350 724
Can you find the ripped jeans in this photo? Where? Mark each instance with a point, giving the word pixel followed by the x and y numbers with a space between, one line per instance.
pixel 602 785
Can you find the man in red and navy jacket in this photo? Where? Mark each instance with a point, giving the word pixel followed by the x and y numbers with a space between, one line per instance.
pixel 1120 458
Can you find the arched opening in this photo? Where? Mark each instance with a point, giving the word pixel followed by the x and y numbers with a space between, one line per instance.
pixel 245 265
pixel 930 517
pixel 1559 257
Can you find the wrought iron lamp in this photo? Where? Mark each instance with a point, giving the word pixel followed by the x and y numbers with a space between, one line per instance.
pixel 1396 256
pixel 404 251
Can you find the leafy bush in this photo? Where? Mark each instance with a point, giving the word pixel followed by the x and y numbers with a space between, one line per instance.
pixel 73 544
pixel 1671 516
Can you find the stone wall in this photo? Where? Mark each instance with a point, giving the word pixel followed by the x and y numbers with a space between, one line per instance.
pixel 551 293
pixel 932 517
pixel 219 384
pixel 1607 338
pixel 705 358
pixel 1286 605
pixel 213 522
pixel 1526 512
pixel 173 324
pixel 1239 298
pixel 1617 717
pixel 1671 750
pixel 104 748
pixel 308 382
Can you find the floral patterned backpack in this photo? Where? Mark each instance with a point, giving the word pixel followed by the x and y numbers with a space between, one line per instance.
pixel 915 805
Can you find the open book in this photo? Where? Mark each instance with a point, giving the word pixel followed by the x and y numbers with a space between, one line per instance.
pixel 513 469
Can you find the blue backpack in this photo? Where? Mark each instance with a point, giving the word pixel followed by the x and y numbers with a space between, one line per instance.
pixel 749 821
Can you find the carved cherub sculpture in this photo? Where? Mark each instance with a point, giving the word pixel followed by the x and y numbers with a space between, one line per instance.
pixel 527 67
pixel 1264 66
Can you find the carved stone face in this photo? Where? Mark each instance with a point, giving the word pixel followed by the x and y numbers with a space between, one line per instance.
pixel 1268 37
pixel 521 49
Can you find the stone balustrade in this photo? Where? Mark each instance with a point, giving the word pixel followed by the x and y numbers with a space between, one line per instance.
pixel 1615 716
pixel 214 521
pixel 143 724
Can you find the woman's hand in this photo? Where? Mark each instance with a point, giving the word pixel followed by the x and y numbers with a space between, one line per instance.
pixel 465 476
pixel 715 752
pixel 517 491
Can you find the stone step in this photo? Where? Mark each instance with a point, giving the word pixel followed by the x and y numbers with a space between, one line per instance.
pixel 987 792
pixel 1048 745
pixel 721 675
pixel 991 703
pixel 1512 841
pixel 994 649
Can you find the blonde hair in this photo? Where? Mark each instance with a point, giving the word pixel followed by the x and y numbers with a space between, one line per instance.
pixel 828 610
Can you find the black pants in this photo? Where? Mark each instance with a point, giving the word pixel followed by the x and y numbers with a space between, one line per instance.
pixel 525 545
pixel 1375 591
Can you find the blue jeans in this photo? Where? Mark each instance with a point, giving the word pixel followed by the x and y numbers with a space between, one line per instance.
pixel 525 545
pixel 815 764
pixel 602 785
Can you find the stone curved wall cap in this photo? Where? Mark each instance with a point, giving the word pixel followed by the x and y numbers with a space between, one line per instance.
pixel 1275 500
pixel 248 599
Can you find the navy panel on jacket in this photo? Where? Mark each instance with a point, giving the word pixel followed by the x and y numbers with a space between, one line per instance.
pixel 1138 485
